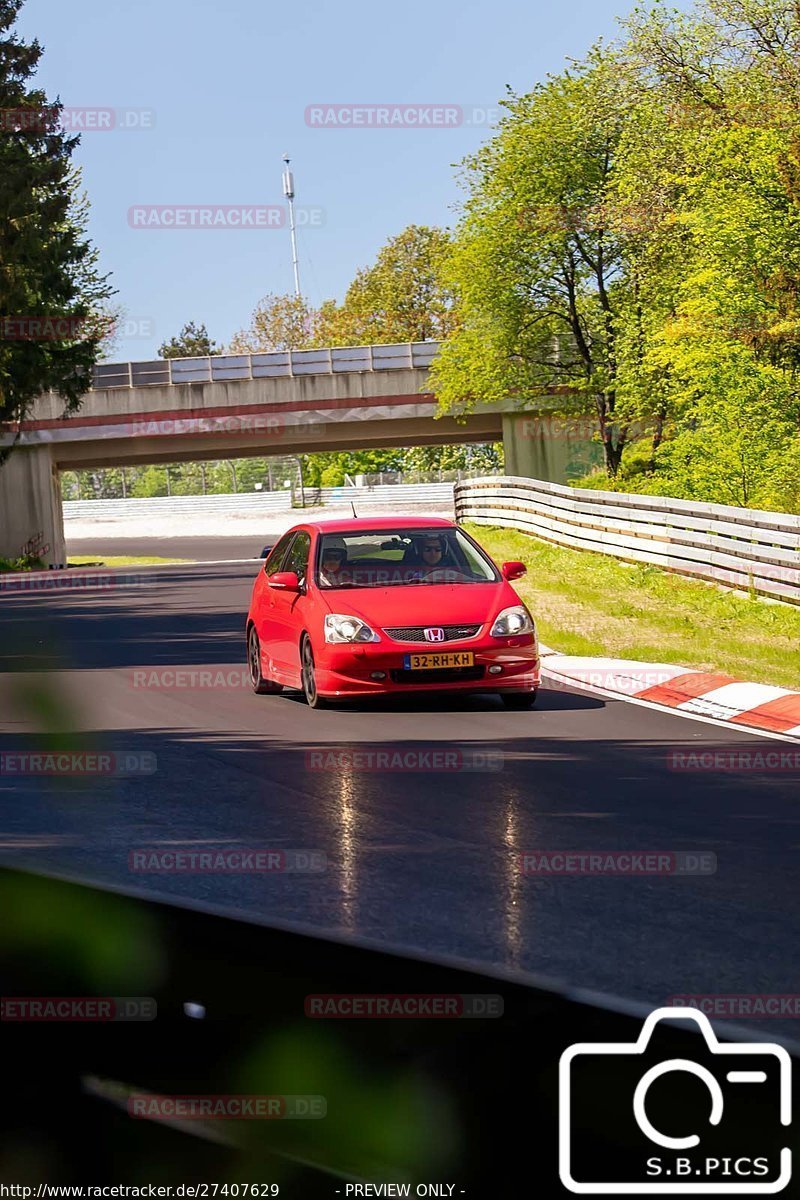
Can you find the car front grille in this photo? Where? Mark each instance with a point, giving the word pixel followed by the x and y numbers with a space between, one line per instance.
pixel 439 675
pixel 416 633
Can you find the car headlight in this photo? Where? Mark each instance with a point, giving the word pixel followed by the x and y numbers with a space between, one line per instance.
pixel 341 628
pixel 512 621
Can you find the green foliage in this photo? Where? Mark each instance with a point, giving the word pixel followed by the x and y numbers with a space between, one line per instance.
pixel 279 322
pixel 402 297
pixel 734 442
pixel 243 474
pixel 535 264
pixel 151 482
pixel 48 268
pixel 632 233
pixel 25 562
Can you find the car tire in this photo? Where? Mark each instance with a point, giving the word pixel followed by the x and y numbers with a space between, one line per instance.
pixel 308 675
pixel 520 701
pixel 260 685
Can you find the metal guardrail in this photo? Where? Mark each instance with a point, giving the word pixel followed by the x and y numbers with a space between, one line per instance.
pixel 274 365
pixel 390 493
pixel 252 503
pixel 150 506
pixel 737 547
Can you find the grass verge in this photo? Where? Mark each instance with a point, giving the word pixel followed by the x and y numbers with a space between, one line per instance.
pixel 24 563
pixel 589 604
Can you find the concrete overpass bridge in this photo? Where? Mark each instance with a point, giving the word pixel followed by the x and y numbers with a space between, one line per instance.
pixel 233 406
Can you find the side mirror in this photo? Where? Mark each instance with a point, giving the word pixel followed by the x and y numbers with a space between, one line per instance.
pixel 287 581
pixel 514 570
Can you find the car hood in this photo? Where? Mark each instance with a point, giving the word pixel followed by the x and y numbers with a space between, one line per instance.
pixel 423 604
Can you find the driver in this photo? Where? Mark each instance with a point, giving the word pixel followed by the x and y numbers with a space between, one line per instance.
pixel 432 553
pixel 333 558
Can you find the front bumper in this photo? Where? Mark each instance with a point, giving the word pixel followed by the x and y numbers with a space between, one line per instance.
pixel 347 670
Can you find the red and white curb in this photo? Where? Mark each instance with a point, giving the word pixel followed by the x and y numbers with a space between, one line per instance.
pixel 713 697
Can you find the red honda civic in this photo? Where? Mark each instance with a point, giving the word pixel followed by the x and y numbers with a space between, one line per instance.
pixel 377 606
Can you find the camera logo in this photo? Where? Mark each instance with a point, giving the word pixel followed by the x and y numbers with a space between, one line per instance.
pixel 634 1118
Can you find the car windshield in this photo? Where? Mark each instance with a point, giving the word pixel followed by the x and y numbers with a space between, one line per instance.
pixel 397 558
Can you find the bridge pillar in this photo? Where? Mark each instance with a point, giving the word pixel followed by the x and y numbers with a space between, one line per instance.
pixel 531 450
pixel 538 446
pixel 30 506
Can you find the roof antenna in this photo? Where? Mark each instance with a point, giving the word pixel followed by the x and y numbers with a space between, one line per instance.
pixel 355 514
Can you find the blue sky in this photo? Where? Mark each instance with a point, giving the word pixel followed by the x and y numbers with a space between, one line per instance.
pixel 224 88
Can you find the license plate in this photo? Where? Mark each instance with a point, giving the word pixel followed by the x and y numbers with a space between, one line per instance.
pixel 434 662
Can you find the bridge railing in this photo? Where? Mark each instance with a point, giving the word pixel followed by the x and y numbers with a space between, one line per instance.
pixel 742 548
pixel 275 364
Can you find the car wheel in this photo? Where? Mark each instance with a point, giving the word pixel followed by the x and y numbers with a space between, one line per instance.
pixel 260 685
pixel 520 701
pixel 313 698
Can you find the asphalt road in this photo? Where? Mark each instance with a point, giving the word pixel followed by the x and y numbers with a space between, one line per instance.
pixel 426 860
pixel 195 549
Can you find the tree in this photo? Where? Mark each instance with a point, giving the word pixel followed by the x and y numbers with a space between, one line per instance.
pixel 193 341
pixel 279 322
pixel 486 458
pixel 402 297
pixel 51 295
pixel 716 164
pixel 631 237
pixel 538 269
pixel 329 469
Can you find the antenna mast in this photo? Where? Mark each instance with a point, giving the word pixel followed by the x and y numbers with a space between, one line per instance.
pixel 288 191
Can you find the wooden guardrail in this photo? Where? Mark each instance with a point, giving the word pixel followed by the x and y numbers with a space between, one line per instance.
pixel 737 547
